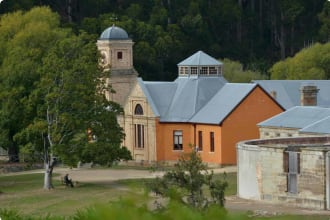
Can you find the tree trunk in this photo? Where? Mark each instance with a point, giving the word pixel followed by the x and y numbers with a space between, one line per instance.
pixel 48 176
pixel 282 38
pixel 292 39
pixel 48 164
pixel 239 23
pixel 261 18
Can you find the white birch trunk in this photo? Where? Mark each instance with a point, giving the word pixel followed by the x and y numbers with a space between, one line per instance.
pixel 48 176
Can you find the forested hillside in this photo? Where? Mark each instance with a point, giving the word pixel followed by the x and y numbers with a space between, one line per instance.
pixel 257 33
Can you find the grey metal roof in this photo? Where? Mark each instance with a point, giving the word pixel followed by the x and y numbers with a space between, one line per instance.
pixel 319 127
pixel 288 91
pixel 178 101
pixel 223 103
pixel 114 33
pixel 297 117
pixel 159 95
pixel 200 59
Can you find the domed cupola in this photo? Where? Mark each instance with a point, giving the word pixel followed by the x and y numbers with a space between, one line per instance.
pixel 116 49
pixel 114 33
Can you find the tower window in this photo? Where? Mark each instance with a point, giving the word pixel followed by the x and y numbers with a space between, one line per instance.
pixel 138 110
pixel 119 55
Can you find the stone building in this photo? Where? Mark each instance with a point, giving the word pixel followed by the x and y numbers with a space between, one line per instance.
pixel 199 109
pixel 297 121
pixel 294 171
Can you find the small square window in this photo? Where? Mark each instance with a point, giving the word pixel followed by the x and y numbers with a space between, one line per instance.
pixel 119 55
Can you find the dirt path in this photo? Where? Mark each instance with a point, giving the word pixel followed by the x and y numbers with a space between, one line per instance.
pixel 233 203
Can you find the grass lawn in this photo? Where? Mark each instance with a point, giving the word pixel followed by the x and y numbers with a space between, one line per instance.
pixel 25 194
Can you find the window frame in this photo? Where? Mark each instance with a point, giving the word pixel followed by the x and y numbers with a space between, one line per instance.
pixel 177 140
pixel 119 55
pixel 139 136
pixel 200 140
pixel 291 167
pixel 138 110
pixel 212 141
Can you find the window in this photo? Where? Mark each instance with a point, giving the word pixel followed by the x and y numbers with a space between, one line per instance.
pixel 212 70
pixel 119 55
pixel 138 110
pixel 193 71
pixel 177 140
pixel 139 135
pixel 200 140
pixel 211 141
pixel 204 70
pixel 183 70
pixel 291 166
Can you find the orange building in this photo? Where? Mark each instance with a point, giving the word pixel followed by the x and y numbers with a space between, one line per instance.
pixel 216 129
pixel 198 110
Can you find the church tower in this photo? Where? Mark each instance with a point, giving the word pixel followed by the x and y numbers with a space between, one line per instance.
pixel 116 50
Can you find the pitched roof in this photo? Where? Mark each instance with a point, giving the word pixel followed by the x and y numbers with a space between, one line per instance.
pixel 200 59
pixel 225 101
pixel 288 91
pixel 194 100
pixel 297 117
pixel 178 101
pixel 320 127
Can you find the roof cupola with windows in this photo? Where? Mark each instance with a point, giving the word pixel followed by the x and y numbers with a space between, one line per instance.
pixel 200 64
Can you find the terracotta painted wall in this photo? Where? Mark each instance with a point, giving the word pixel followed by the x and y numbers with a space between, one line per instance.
pixel 164 139
pixel 241 123
pixel 206 154
pixel 165 150
pixel 238 126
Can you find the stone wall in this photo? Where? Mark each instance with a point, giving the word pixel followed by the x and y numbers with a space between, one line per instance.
pixel 261 167
pixel 270 132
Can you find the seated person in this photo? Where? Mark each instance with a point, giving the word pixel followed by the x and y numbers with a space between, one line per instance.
pixel 68 181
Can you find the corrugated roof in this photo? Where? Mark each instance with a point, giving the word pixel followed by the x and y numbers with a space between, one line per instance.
pixel 288 91
pixel 319 127
pixel 178 101
pixel 200 59
pixel 224 101
pixel 297 117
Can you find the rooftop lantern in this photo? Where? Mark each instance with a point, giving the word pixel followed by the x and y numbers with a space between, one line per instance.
pixel 200 64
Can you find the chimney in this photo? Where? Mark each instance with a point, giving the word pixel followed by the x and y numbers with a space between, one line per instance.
pixel 308 95
pixel 273 94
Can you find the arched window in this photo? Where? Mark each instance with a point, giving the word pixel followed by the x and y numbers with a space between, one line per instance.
pixel 138 110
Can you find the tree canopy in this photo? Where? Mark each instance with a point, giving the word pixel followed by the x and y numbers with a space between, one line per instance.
pixel 257 33
pixel 52 93
pixel 310 63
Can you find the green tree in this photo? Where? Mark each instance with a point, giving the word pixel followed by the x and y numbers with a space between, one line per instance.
pixel 63 110
pixel 186 183
pixel 234 72
pixel 24 38
pixel 324 18
pixel 309 63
